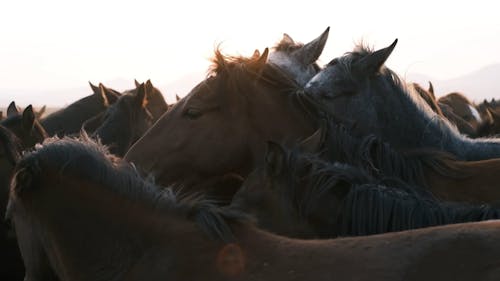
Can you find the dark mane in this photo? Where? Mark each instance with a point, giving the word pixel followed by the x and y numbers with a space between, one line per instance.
pixel 371 209
pixel 85 159
pixel 309 178
pixel 368 205
pixel 380 160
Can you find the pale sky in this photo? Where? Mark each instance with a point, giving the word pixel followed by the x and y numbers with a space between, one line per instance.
pixel 53 45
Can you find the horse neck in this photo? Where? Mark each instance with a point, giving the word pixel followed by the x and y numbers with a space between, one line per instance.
pixel 117 139
pixel 411 125
pixel 279 119
pixel 70 119
pixel 406 123
pixel 99 227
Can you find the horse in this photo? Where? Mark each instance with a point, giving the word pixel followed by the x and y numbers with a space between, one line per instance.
pixel 358 90
pixel 69 120
pixel 428 97
pixel 202 135
pixel 301 195
pixel 156 103
pixel 115 225
pixel 130 112
pixel 297 59
pixel 461 112
pixel 12 265
pixel 490 112
pixel 446 177
pixel 18 132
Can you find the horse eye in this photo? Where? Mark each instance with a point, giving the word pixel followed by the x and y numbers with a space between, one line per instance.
pixel 193 113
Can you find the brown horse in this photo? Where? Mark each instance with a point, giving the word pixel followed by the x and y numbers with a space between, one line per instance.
pixel 428 97
pixel 130 112
pixel 117 226
pixel 10 259
pixel 17 133
pixel 69 120
pixel 156 103
pixel 490 112
pixel 222 125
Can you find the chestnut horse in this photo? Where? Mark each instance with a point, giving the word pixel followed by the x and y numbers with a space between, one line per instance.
pixel 222 125
pixel 357 89
pixel 300 195
pixel 116 226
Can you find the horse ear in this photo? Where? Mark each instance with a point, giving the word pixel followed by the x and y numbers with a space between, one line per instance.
pixel 488 116
pixel 431 90
pixel 12 110
pixel 256 54
pixel 40 112
pixel 286 40
pixel 275 158
pixel 149 86
pixel 109 96
pixel 28 119
pixel 372 63
pixel 312 144
pixel 102 94
pixel 177 98
pixel 494 114
pixel 142 95
pixel 137 84
pixel 258 64
pixel 311 51
pixel 94 88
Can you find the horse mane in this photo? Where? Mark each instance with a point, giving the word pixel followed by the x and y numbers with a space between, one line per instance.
pixel 368 205
pixel 444 130
pixel 308 178
pixel 380 160
pixel 372 208
pixel 87 159
pixel 239 67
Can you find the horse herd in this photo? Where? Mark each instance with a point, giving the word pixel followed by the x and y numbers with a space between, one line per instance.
pixel 272 168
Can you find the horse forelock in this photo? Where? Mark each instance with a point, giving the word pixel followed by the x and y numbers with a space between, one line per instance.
pixel 239 68
pixel 86 159
pixel 287 46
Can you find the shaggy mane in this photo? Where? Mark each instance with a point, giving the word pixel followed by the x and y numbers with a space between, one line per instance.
pixel 87 159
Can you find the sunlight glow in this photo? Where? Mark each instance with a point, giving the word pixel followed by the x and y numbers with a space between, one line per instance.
pixel 52 46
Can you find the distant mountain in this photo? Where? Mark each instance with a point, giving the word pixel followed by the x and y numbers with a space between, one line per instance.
pixel 478 85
